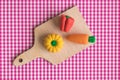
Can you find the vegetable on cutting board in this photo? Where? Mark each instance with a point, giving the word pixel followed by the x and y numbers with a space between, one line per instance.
pixel 66 23
pixel 53 43
pixel 81 38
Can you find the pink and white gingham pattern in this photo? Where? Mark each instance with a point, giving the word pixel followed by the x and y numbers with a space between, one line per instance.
pixel 18 18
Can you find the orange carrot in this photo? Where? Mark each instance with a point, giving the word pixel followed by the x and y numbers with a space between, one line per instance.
pixel 81 38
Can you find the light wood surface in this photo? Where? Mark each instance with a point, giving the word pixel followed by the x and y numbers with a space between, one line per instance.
pixel 52 26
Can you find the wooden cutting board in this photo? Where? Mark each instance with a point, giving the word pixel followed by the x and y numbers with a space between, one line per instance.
pixel 53 26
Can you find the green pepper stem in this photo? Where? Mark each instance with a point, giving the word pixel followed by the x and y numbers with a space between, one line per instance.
pixel 67 16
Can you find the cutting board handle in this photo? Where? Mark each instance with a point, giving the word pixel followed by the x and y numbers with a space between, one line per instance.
pixel 25 57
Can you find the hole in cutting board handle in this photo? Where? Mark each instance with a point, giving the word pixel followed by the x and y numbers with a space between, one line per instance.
pixel 20 60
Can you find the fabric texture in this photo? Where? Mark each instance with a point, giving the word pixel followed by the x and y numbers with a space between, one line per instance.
pixel 18 18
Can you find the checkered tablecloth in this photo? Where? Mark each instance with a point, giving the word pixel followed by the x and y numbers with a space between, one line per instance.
pixel 18 18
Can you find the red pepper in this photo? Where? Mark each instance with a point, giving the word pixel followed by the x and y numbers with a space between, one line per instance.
pixel 63 19
pixel 66 23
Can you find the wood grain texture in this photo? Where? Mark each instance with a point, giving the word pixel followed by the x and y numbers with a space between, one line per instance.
pixel 53 26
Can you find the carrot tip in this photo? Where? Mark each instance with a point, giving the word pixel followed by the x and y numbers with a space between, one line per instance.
pixel 91 39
